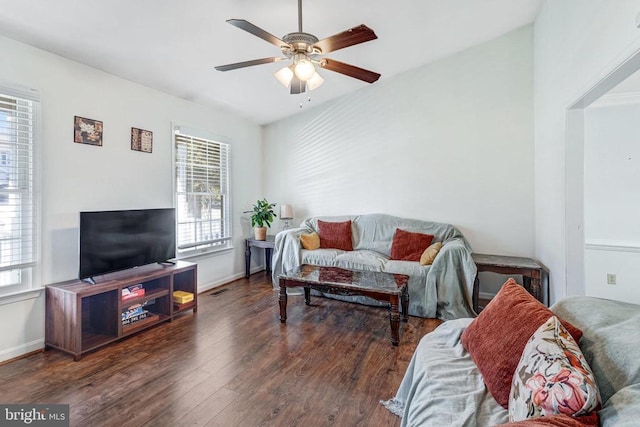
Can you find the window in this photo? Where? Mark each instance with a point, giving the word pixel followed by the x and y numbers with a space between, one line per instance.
pixel 202 192
pixel 18 233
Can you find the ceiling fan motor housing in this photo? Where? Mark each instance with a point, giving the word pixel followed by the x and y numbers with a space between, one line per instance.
pixel 301 42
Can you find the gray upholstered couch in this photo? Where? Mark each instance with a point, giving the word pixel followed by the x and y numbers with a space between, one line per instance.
pixel 442 385
pixel 442 289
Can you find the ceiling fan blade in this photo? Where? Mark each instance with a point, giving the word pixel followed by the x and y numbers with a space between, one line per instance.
pixel 237 65
pixel 257 31
pixel 350 70
pixel 353 36
pixel 297 85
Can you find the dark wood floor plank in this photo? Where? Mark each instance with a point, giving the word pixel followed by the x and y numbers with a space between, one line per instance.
pixel 232 364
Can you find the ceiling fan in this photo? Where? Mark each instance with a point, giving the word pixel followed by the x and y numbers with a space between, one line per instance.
pixel 304 50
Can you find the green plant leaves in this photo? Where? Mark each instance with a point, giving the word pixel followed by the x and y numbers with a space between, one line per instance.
pixel 262 213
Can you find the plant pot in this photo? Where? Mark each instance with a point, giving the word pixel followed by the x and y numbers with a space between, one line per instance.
pixel 260 233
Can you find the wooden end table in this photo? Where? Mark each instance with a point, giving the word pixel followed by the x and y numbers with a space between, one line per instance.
pixel 267 245
pixel 386 287
pixel 531 270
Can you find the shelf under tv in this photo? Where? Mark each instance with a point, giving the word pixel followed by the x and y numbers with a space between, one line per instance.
pixel 81 317
pixel 148 295
pixel 179 308
pixel 151 319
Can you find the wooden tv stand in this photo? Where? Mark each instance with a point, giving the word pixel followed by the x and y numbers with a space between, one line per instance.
pixel 81 317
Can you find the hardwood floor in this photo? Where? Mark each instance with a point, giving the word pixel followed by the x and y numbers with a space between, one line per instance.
pixel 232 364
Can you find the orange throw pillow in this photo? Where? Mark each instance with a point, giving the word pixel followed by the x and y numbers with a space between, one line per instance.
pixel 310 241
pixel 497 337
pixel 335 235
pixel 429 255
pixel 408 246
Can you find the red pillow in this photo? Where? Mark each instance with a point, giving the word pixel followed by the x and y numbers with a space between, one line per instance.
pixel 496 338
pixel 335 235
pixel 407 246
pixel 559 420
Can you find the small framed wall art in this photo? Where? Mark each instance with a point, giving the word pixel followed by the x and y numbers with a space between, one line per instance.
pixel 141 140
pixel 87 131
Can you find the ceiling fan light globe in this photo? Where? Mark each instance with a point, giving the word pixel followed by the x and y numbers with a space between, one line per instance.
pixel 304 69
pixel 315 81
pixel 284 76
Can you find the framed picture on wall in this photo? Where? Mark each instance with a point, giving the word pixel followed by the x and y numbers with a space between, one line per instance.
pixel 141 140
pixel 87 131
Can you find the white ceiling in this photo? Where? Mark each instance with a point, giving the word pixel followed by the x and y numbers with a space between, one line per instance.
pixel 174 45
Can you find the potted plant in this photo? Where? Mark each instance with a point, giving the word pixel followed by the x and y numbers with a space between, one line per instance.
pixel 262 216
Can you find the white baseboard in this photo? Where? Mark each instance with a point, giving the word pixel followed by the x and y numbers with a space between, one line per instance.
pixel 228 279
pixel 21 349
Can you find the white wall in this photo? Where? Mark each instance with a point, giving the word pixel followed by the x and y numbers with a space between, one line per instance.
pixel 79 177
pixel 576 44
pixel 612 171
pixel 611 188
pixel 451 142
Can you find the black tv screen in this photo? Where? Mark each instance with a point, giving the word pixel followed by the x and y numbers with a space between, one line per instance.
pixel 118 240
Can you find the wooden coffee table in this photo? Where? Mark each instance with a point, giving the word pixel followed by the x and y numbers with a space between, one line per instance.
pixel 385 287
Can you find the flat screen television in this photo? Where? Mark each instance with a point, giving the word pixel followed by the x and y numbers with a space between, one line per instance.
pixel 118 240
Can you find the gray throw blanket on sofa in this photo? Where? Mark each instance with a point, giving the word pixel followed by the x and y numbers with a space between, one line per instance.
pixel 443 387
pixel 440 290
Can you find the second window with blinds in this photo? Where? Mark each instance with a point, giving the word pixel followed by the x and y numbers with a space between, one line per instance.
pixel 19 130
pixel 202 192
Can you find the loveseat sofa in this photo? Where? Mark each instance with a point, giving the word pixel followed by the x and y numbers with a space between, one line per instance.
pixel 442 289
pixel 444 386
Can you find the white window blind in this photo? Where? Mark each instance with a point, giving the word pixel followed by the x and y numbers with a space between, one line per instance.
pixel 18 131
pixel 202 192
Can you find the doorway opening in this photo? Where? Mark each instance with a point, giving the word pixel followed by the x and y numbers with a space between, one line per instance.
pixel 575 172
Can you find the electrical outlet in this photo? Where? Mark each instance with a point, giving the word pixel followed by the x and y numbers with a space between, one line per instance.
pixel 611 279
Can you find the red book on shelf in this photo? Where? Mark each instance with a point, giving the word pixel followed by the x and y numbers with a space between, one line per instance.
pixel 132 292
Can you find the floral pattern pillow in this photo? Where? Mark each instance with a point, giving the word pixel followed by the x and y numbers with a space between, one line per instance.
pixel 552 377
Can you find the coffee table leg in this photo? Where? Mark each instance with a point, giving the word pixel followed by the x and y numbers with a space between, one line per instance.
pixel 283 303
pixel 307 296
pixel 405 304
pixel 394 317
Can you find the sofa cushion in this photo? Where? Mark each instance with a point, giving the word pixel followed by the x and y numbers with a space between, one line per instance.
pixel 622 409
pixel 429 254
pixel 310 241
pixel 335 235
pixel 552 377
pixel 410 268
pixel 610 342
pixel 408 246
pixel 361 260
pixel 496 338
pixel 319 256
